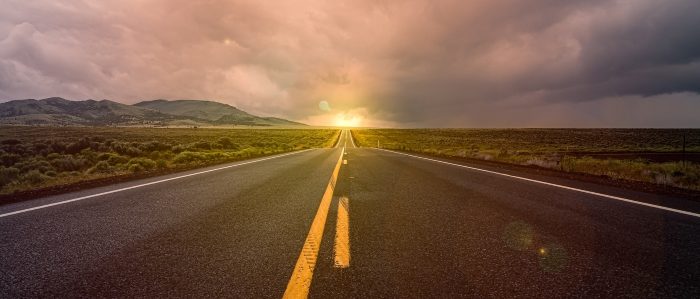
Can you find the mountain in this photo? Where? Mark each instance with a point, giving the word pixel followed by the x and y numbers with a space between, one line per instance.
pixel 208 110
pixel 59 111
pixel 214 112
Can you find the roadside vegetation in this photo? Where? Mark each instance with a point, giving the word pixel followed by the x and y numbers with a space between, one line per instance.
pixel 40 157
pixel 646 155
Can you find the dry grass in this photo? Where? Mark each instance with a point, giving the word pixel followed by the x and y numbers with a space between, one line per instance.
pixel 38 157
pixel 570 150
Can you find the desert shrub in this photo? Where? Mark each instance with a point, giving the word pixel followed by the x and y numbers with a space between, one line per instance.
pixel 89 155
pixel 202 145
pixel 34 177
pixel 117 159
pixel 57 147
pixel 70 174
pixel 34 164
pixel 76 147
pixel 8 175
pixel 158 155
pixel 8 159
pixel 95 146
pixel 215 156
pixel 98 139
pixel 126 149
pixel 38 155
pixel 101 167
pixel 178 148
pixel 135 168
pixel 226 143
pixel 188 157
pixel 104 148
pixel 133 151
pixel 69 163
pixel 144 163
pixel 40 148
pixel 155 155
pixel 16 149
pixel 503 153
pixel 104 156
pixel 10 142
pixel 249 152
pixel 166 155
pixel 259 144
pixel 153 146
pixel 53 156
pixel 161 163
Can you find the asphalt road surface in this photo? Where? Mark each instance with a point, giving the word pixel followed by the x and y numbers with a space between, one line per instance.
pixel 406 227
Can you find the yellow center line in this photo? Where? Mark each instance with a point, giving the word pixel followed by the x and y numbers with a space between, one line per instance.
pixel 342 234
pixel 300 282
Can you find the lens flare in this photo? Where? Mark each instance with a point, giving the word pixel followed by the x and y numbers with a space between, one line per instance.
pixel 324 106
pixel 519 235
pixel 553 257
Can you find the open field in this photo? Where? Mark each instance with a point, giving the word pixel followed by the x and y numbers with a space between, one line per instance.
pixel 40 157
pixel 646 155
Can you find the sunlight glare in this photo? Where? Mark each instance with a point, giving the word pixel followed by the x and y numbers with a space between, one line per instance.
pixel 347 120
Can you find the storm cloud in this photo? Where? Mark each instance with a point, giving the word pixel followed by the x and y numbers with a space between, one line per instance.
pixel 504 63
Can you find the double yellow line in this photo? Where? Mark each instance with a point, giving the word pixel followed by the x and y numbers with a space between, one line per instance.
pixel 300 282
pixel 342 235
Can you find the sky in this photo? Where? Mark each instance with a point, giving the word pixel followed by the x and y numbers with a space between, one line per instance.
pixel 413 63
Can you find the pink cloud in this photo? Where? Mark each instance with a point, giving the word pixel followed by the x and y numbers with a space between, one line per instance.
pixel 442 63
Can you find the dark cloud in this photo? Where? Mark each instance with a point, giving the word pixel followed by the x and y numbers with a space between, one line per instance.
pixel 404 63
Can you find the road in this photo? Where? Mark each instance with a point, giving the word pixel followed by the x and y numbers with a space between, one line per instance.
pixel 407 227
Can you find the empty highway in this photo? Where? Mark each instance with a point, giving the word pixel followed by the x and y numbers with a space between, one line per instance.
pixel 351 222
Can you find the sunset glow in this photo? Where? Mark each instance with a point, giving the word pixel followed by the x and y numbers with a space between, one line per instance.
pixel 365 149
pixel 345 120
pixel 402 63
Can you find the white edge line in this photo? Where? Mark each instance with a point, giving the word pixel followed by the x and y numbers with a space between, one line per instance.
pixel 351 141
pixel 145 184
pixel 552 184
pixel 337 145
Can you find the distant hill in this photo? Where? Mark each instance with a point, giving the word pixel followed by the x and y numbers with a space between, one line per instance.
pixel 191 108
pixel 215 112
pixel 59 111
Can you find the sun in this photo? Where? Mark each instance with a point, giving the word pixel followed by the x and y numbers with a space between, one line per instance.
pixel 345 120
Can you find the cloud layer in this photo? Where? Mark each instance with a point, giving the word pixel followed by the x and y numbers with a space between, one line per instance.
pixel 388 63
